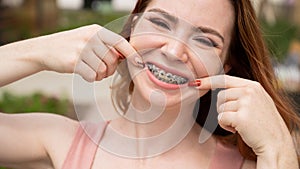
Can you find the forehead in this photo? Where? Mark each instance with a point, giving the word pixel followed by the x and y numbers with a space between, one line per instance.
pixel 217 14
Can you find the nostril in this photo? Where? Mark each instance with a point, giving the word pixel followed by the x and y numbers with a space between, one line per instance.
pixel 184 58
pixel 175 51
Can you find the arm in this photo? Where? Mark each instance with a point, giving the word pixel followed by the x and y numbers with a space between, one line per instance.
pixel 279 156
pixel 18 60
pixel 56 52
pixel 30 140
pixel 89 51
pixel 276 158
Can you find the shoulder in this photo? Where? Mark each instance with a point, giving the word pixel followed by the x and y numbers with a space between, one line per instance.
pixel 47 125
pixel 38 124
pixel 46 136
pixel 56 133
pixel 249 164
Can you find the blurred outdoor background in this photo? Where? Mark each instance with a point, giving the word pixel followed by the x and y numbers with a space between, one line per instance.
pixel 51 92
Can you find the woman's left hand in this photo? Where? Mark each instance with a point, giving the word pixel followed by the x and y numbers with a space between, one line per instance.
pixel 245 107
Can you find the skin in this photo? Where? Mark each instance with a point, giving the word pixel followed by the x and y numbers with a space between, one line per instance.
pixel 185 55
pixel 82 50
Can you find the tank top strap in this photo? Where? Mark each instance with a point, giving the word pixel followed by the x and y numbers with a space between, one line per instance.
pixel 226 157
pixel 84 146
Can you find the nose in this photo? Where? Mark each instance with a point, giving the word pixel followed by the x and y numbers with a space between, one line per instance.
pixel 175 50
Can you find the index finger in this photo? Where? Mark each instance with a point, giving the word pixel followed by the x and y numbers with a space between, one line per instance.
pixel 222 81
pixel 120 44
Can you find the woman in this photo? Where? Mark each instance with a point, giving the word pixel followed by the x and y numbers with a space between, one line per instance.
pixel 195 45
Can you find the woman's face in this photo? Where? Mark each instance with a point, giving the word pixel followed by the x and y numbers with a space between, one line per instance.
pixel 180 41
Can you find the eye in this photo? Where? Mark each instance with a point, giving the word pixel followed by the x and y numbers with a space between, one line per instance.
pixel 160 23
pixel 206 41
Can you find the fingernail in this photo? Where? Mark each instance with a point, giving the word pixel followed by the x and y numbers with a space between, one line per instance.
pixel 196 83
pixel 139 62
pixel 120 55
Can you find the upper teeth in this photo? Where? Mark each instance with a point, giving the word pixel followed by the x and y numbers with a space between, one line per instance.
pixel 166 76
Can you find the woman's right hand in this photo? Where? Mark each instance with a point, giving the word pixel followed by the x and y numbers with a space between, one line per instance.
pixel 90 51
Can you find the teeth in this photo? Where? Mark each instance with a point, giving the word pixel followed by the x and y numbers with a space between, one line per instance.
pixel 166 76
pixel 162 73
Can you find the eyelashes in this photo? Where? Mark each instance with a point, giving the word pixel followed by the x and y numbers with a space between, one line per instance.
pixel 202 40
pixel 206 41
pixel 159 22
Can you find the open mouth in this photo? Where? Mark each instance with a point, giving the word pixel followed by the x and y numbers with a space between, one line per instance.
pixel 165 76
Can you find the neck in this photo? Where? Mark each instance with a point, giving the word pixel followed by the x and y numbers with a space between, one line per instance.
pixel 142 121
pixel 144 128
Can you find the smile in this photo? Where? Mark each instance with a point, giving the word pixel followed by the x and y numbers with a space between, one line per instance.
pixel 165 76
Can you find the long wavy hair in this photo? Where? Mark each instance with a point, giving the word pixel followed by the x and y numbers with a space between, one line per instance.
pixel 248 57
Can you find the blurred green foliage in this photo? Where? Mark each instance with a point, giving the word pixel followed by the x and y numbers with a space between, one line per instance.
pixel 19 24
pixel 278 37
pixel 69 19
pixel 37 102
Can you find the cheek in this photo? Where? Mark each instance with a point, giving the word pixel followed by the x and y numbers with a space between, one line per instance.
pixel 200 70
pixel 146 41
pixel 206 63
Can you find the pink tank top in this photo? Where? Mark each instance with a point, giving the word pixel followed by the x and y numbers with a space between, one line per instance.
pixel 83 150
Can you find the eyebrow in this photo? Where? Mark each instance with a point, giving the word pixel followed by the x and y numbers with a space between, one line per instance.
pixel 174 19
pixel 165 14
